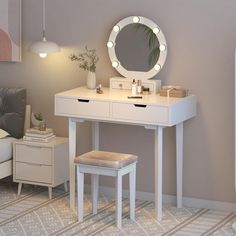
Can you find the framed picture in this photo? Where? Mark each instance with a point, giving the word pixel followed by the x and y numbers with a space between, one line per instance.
pixel 10 30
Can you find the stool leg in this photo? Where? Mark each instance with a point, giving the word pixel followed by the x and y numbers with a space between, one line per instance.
pixel 118 200
pixel 80 194
pixel 132 189
pixel 94 192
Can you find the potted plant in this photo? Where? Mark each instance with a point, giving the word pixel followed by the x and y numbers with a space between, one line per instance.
pixel 87 61
pixel 38 120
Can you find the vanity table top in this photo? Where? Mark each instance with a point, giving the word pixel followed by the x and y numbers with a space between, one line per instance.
pixel 117 95
pixel 115 106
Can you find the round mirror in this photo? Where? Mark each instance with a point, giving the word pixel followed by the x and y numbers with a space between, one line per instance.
pixel 137 48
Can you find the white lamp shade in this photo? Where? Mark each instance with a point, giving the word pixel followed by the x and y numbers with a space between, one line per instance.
pixel 44 46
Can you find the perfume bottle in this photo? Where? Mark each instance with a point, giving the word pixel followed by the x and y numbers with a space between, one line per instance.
pixel 139 87
pixel 134 87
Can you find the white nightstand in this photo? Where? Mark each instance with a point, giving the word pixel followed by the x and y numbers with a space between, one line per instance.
pixel 45 164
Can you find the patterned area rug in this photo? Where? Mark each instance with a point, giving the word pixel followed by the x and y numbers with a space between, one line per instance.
pixel 33 214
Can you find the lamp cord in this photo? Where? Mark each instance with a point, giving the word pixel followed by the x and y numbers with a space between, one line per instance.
pixel 44 34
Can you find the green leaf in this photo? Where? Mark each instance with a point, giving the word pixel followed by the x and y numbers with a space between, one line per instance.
pixel 153 43
pixel 87 60
pixel 153 56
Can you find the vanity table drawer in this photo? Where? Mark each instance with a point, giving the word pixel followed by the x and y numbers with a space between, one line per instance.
pixel 140 112
pixel 82 107
pixel 33 172
pixel 120 84
pixel 33 154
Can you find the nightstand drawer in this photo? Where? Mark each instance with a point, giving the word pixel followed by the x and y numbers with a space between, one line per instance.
pixel 140 112
pixel 33 154
pixel 33 172
pixel 82 107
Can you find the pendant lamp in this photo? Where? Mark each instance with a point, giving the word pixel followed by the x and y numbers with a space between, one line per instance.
pixel 44 47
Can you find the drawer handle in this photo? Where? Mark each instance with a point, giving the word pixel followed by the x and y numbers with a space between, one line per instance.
pixel 83 100
pixel 140 105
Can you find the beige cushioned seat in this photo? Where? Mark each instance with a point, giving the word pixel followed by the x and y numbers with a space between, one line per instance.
pixel 106 159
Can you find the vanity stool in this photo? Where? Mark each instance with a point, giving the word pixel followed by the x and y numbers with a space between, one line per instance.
pixel 110 164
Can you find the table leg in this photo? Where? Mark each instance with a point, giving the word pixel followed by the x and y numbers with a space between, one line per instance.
pixel 179 163
pixel 19 188
pixel 95 178
pixel 72 153
pixel 66 187
pixel 95 135
pixel 80 197
pixel 50 192
pixel 158 170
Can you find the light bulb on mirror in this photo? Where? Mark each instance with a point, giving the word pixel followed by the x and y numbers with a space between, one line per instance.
pixel 43 55
pixel 136 19
pixel 115 64
pixel 116 28
pixel 110 44
pixel 156 30
pixel 157 67
pixel 162 47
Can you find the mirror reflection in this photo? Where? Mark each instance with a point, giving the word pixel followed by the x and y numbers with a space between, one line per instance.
pixel 137 47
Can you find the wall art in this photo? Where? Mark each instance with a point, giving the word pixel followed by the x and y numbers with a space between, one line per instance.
pixel 10 30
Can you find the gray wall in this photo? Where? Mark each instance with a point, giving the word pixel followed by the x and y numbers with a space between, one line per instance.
pixel 201 37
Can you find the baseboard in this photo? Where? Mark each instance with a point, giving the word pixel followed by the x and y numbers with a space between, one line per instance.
pixel 170 199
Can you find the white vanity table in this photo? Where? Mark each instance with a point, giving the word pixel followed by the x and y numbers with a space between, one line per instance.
pixel 113 106
pixel 145 60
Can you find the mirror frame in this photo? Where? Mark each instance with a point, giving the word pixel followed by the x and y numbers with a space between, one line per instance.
pixel 112 42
